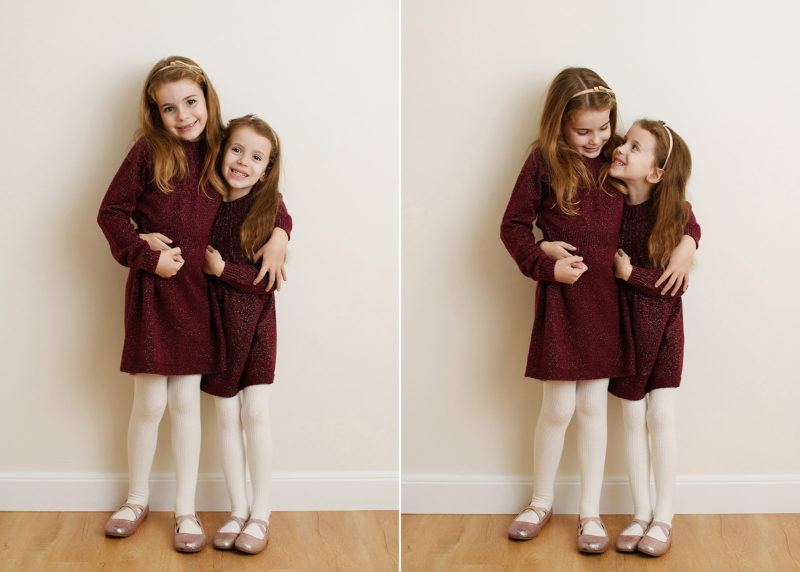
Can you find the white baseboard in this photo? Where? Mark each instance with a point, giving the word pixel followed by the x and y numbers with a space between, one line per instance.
pixel 694 494
pixel 369 490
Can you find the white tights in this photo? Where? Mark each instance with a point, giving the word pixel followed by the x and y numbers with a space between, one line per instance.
pixel 654 416
pixel 560 399
pixel 252 415
pixel 151 395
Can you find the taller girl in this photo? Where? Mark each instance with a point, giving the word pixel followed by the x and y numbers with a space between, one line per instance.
pixel 579 338
pixel 169 187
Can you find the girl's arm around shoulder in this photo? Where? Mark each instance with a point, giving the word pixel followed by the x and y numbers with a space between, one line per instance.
pixel 516 230
pixel 119 207
pixel 273 253
pixel 692 227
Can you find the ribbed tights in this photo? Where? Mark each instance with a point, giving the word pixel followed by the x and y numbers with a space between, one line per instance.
pixel 251 413
pixel 560 400
pixel 151 395
pixel 653 416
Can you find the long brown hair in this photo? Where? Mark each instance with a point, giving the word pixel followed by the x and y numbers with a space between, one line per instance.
pixel 264 196
pixel 564 165
pixel 169 160
pixel 669 207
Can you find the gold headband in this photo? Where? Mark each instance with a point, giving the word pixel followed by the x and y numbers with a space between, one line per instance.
pixel 669 151
pixel 181 64
pixel 596 89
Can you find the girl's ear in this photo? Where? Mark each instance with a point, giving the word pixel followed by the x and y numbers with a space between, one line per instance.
pixel 655 176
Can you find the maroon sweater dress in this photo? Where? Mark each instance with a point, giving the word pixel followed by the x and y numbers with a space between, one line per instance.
pixel 247 311
pixel 578 332
pixel 656 319
pixel 168 321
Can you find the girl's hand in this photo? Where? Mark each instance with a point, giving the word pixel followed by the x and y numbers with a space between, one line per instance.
pixel 273 255
pixel 622 265
pixel 156 240
pixel 556 249
pixel 680 262
pixel 169 262
pixel 213 263
pixel 568 270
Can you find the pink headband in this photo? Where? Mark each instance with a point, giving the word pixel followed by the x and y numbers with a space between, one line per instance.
pixel 669 134
pixel 595 89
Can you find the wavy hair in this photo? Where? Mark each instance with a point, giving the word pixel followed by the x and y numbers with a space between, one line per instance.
pixel 669 207
pixel 565 167
pixel 168 157
pixel 264 196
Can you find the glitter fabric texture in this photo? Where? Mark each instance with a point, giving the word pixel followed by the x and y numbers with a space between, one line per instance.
pixel 656 319
pixel 578 331
pixel 247 311
pixel 168 321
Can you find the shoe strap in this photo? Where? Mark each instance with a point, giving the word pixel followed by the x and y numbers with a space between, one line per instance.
pixel 136 508
pixel 238 520
pixel 596 519
pixel 179 520
pixel 643 523
pixel 666 528
pixel 262 524
pixel 540 512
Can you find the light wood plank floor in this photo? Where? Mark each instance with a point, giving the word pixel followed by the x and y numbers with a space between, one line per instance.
pixel 703 543
pixel 318 541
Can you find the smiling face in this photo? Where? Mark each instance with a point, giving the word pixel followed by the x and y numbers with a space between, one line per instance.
pixel 244 161
pixel 183 108
pixel 635 161
pixel 587 130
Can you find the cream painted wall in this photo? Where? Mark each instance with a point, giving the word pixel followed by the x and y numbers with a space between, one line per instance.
pixel 325 76
pixel 474 81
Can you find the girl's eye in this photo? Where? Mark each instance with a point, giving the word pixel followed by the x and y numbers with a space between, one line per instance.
pixel 191 101
pixel 234 149
pixel 168 109
pixel 583 133
pixel 635 147
pixel 257 157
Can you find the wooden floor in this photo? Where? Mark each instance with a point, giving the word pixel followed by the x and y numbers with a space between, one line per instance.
pixel 703 543
pixel 74 541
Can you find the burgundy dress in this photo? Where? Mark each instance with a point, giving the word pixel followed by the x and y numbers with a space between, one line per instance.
pixel 168 321
pixel 578 331
pixel 656 319
pixel 247 311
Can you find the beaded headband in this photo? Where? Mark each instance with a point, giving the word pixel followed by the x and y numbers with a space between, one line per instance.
pixel 181 64
pixel 669 150
pixel 596 89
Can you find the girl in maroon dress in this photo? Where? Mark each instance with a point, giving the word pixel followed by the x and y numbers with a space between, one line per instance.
pixel 169 187
pixel 579 337
pixel 252 211
pixel 654 163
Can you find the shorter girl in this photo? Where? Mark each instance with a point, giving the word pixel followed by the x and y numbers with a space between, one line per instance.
pixel 251 212
pixel 655 164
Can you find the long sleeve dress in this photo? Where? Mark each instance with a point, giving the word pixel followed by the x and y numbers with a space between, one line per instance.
pixel 169 328
pixel 656 318
pixel 247 312
pixel 578 330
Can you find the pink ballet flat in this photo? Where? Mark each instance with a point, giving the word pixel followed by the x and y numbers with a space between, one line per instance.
pixel 188 541
pixel 591 543
pixel 652 546
pixel 122 527
pixel 520 530
pixel 250 544
pixel 226 540
pixel 629 542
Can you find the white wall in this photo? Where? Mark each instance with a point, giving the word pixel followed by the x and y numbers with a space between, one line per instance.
pixel 474 81
pixel 325 75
